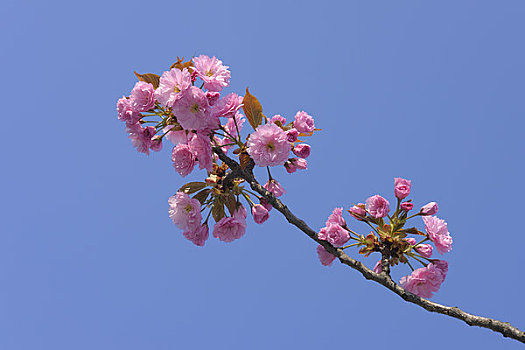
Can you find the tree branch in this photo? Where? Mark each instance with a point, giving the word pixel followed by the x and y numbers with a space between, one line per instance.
pixel 383 278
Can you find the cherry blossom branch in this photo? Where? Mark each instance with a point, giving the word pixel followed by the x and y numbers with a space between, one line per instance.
pixel 382 278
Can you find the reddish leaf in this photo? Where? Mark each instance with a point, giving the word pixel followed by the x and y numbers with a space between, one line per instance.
pixel 151 78
pixel 252 109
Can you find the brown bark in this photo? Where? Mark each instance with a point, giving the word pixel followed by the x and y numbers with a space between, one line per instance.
pixel 383 278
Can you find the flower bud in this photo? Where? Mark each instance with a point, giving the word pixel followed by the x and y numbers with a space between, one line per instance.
pixel 290 167
pixel 401 187
pixel 429 209
pixel 358 211
pixel 407 206
pixel 302 150
pixel 260 214
pixel 292 135
pixel 300 163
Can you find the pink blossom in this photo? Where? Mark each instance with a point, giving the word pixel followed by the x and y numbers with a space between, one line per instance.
pixel 228 106
pixel 172 85
pixel 213 97
pixel 268 145
pixel 176 136
pixel 192 109
pixel 260 213
pixel 140 137
pixel 326 258
pixel 197 235
pixel 265 204
pixel 438 233
pixel 213 73
pixel 183 159
pixel 402 187
pixel 304 123
pixel 292 135
pixel 425 281
pixel 185 212
pixel 378 268
pixel 126 112
pixel 200 146
pixel 229 229
pixel 274 187
pixel 279 118
pixel 302 150
pixel 336 217
pixel 334 233
pixel 407 206
pixel 442 266
pixel 377 206
pixel 358 211
pixel 142 96
pixel 429 209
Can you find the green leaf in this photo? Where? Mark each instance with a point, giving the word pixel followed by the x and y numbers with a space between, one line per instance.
pixel 252 109
pixel 151 78
pixel 192 187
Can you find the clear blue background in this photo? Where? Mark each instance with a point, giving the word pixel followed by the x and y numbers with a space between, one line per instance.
pixel 430 91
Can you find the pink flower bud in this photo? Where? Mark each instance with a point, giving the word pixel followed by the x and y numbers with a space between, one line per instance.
pixel 274 187
pixel 156 144
pixel 411 240
pixel 290 167
pixel 401 187
pixel 429 209
pixel 265 204
pixel 299 163
pixel 358 211
pixel 407 206
pixel 292 135
pixel 424 250
pixel 302 150
pixel 260 213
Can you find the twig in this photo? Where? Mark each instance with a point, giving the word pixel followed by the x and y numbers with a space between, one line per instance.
pixel 384 279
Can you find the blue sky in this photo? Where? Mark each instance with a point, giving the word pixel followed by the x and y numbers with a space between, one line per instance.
pixel 428 91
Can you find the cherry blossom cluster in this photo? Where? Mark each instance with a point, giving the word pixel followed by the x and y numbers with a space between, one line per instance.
pixel 187 106
pixel 390 237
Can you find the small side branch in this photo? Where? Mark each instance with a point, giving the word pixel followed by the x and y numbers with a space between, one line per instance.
pixel 384 278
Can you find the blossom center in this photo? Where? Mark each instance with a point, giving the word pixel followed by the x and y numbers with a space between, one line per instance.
pixel 270 146
pixel 188 208
pixel 209 73
pixel 195 108
pixel 176 89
